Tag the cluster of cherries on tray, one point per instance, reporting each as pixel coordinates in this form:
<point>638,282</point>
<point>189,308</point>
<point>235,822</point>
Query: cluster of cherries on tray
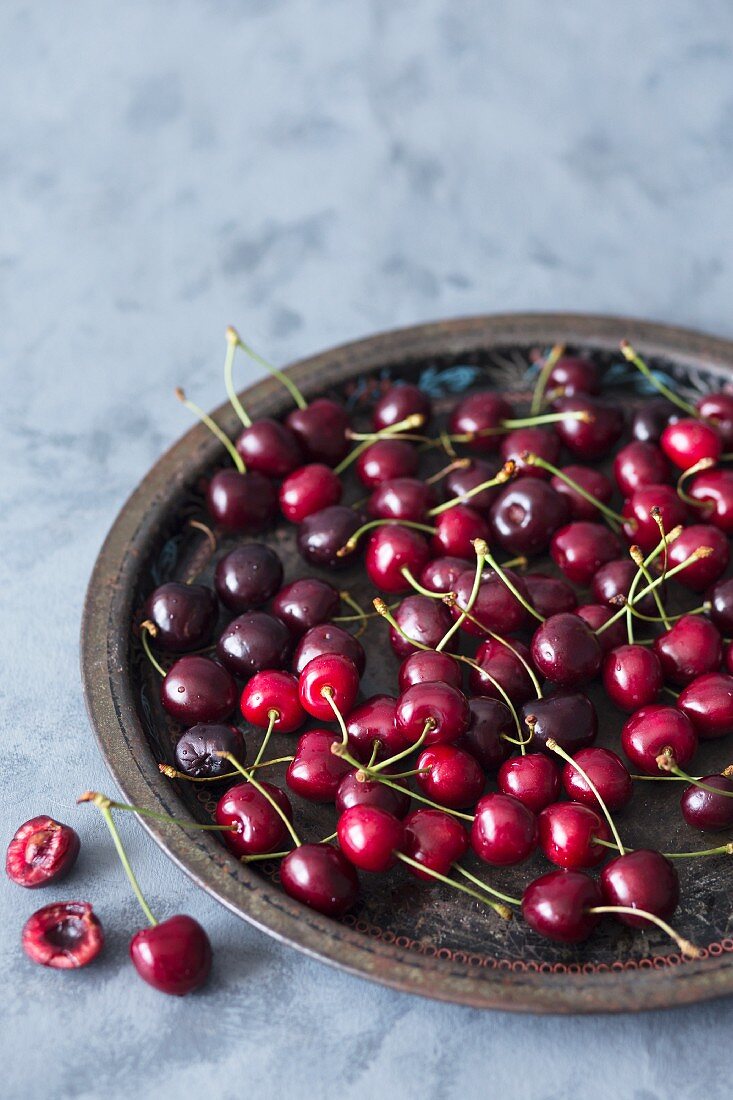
<point>494,659</point>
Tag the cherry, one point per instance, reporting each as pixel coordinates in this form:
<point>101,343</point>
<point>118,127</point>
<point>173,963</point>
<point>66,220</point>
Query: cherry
<point>455,778</point>
<point>549,595</point>
<point>534,779</point>
<point>478,415</point>
<point>593,438</point>
<point>708,811</point>
<point>460,481</point>
<point>496,608</point>
<point>525,514</point>
<point>273,692</point>
<point>374,721</point>
<point>559,906</point>
<point>569,834</point>
<point>504,831</point>
<point>538,441</point>
<point>320,876</point>
<point>391,549</point>
<point>64,935</point>
<point>615,579</point>
<point>690,648</point>
<point>328,638</point>
<point>321,430</point>
<point>632,676</point>
<point>708,703</point>
<point>436,840</point>
<point>704,572</point>
<point>328,677</point>
<point>651,418</point>
<point>248,576</point>
<point>720,599</point>
<point>440,707</point>
<point>315,772</point>
<point>718,408</point>
<point>714,489</point>
<point>184,615</point>
<point>640,527</point>
<point>505,667</point>
<point>425,621</point>
<point>401,498</point>
<point>306,603</point>
<point>574,375</point>
<point>241,501</point>
<point>42,851</point>
<point>252,642</point>
<point>491,721</point>
<point>607,772</point>
<point>457,529</point>
<point>173,956</point>
<point>260,828</point>
<point>654,729</point>
<point>643,879</point>
<point>566,717</point>
<point>566,651</point>
<point>355,791</point>
<point>370,837</point>
<point>597,615</point>
<point>593,481</point>
<point>639,464</point>
<point>309,489</point>
<point>401,400</point>
<point>385,460</point>
<point>270,448</point>
<point>425,665</point>
<point>441,574</point>
<point>322,534</point>
<point>196,689</point>
<point>689,441</point>
<point>581,548</point>
<point>197,749</point>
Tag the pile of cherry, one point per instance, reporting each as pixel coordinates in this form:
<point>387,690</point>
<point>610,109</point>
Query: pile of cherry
<point>490,723</point>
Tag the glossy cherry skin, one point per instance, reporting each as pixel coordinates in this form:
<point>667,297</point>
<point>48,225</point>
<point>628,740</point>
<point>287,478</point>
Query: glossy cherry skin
<point>173,956</point>
<point>615,579</point>
<point>328,638</point>
<point>460,482</point>
<point>580,549</point>
<point>370,837</point>
<point>643,879</point>
<point>550,595</point>
<point>689,441</point>
<point>196,689</point>
<point>389,550</point>
<point>566,651</point>
<point>596,615</point>
<point>259,827</point>
<point>445,705</point>
<point>651,418</point>
<point>503,666</point>
<point>526,514</point>
<point>41,851</point>
<point>632,677</point>
<point>402,498</point>
<point>273,690</point>
<point>241,502</point>
<point>484,738</point>
<point>374,720</point>
<point>690,648</point>
<point>270,448</point>
<point>718,409</point>
<point>557,906</point>
<point>606,771</point>
<point>321,430</point>
<point>329,673</point>
<point>371,792</point>
<point>588,478</point>
<point>534,779</point>
<point>495,608</point>
<point>652,730</point>
<point>704,810</point>
<point>248,576</point>
<point>714,488</point>
<point>315,772</point>
<point>455,778</point>
<point>720,599</point>
<point>321,877</point>
<point>567,717</point>
<point>436,840</point>
<point>64,935</point>
<point>309,489</point>
<point>401,400</point>
<point>252,642</point>
<point>640,527</point>
<point>385,460</point>
<point>595,438</point>
<point>639,464</point>
<point>457,529</point>
<point>306,603</point>
<point>569,833</point>
<point>426,666</point>
<point>574,375</point>
<point>708,703</point>
<point>478,416</point>
<point>196,750</point>
<point>425,621</point>
<point>504,830</point>
<point>441,574</point>
<point>322,534</point>
<point>699,575</point>
<point>539,441</point>
<point>184,615</point>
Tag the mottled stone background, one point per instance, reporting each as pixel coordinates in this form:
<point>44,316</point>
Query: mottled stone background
<point>310,171</point>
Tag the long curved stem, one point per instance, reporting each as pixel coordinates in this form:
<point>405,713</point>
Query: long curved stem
<point>543,377</point>
<point>496,906</point>
<point>553,746</point>
<point>632,357</point>
<point>265,794</point>
<point>148,630</point>
<point>686,947</point>
<point>297,396</point>
<point>214,429</point>
<point>103,805</point>
<point>485,886</point>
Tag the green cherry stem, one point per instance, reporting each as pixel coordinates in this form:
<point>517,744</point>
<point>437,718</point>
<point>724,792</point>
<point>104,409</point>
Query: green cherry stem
<point>411,580</point>
<point>103,805</point>
<point>264,855</point>
<point>327,694</point>
<point>538,396</point>
<point>721,850</point>
<point>149,630</point>
<point>615,519</point>
<point>234,401</point>
<point>638,558</point>
<point>425,801</point>
<point>351,543</point>
<point>265,794</point>
<point>234,338</point>
<point>498,908</point>
<point>506,473</point>
<point>94,796</point>
<point>213,428</point>
<point>632,357</point>
<point>553,746</point>
<point>688,949</point>
<point>485,886</point>
<point>272,717</point>
<point>481,550</point>
<point>701,552</point>
<point>499,570</point>
<point>691,502</point>
<point>667,763</point>
<point>456,464</point>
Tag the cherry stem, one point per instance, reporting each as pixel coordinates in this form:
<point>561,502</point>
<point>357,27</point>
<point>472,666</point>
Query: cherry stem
<point>691,502</point>
<point>103,805</point>
<point>234,401</point>
<point>93,796</point>
<point>615,519</point>
<point>501,910</point>
<point>421,588</point>
<point>373,770</point>
<point>361,614</point>
<point>327,694</point>
<point>688,949</point>
<point>265,794</point>
<point>172,773</point>
<point>721,850</point>
<point>264,855</point>
<point>457,464</point>
<point>214,429</point>
<point>364,615</point>
<point>701,552</point>
<point>667,763</point>
<point>272,716</point>
<point>205,530</point>
<point>234,338</point>
<point>485,886</point>
<point>506,473</point>
<point>632,357</point>
<point>351,543</point>
<point>148,630</point>
<point>481,550</point>
<point>553,746</point>
<point>638,558</point>
<point>527,667</point>
<point>522,422</point>
<point>543,377</point>
<point>498,569</point>
<point>415,420</point>
<point>426,801</point>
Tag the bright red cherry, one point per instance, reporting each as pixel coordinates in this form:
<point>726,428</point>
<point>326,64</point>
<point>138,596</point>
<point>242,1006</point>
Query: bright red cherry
<point>525,515</point>
<point>260,828</point>
<point>654,729</point>
<point>427,666</point>
<point>439,707</point>
<point>196,689</point>
<point>320,876</point>
<point>639,464</point>
<point>558,906</point>
<point>64,935</point>
<point>478,416</point>
<point>308,489</point>
<point>690,648</point>
<point>455,778</point>
<point>173,956</point>
<point>704,572</point>
<point>566,717</point>
<point>270,448</point>
<point>422,619</point>
<point>534,779</point>
<point>241,502</point>
<point>588,478</point>
<point>321,430</point>
<point>355,791</point>
<point>606,771</point>
<point>708,811</point>
<point>329,676</point>
<point>491,723</point>
<point>273,690</point>
<point>456,530</point>
<point>401,400</point>
<point>391,549</point>
<point>315,772</point>
<point>374,720</point>
<point>689,441</point>
<point>632,676</point>
<point>402,498</point>
<point>503,665</point>
<point>385,460</point>
<point>592,438</point>
<point>504,830</point>
<point>306,603</point>
<point>714,488</point>
<point>569,834</point>
<point>643,879</point>
<point>328,638</point>
<point>41,851</point>
<point>436,840</point>
<point>640,527</point>
<point>580,549</point>
<point>370,837</point>
<point>708,703</point>
<point>566,651</point>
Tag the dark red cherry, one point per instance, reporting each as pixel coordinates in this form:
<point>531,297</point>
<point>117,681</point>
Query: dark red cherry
<point>197,749</point>
<point>64,935</point>
<point>402,498</point>
<point>446,706</point>
<point>198,690</point>
<point>370,837</point>
<point>306,603</point>
<point>708,811</point>
<point>643,879</point>
<point>252,642</point>
<point>328,675</point>
<point>441,574</point>
<point>651,731</point>
<point>615,579</point>
<point>499,662</point>
<point>460,482</point>
<point>567,717</point>
<point>248,576</point>
<point>717,408</point>
<point>389,550</point>
<point>478,416</point>
<point>454,779</point>
<point>597,615</point>
<point>708,703</point>
<point>720,599</point>
<point>549,595</point>
<point>374,720</point>
<point>371,792</point>
<point>457,529</point>
<point>241,502</point>
<point>538,441</point>
<point>426,666</point>
<point>704,572</point>
<point>715,489</point>
<point>424,620</point>
<point>689,441</point>
<point>504,831</point>
<point>640,527</point>
<point>321,430</point>
<point>385,460</point>
<point>491,722</point>
<point>436,840</point>
<point>328,638</point>
<point>260,829</point>
<point>320,876</point>
<point>594,438</point>
<point>270,448</point>
<point>273,690</point>
<point>574,375</point>
<point>557,906</point>
<point>184,614</point>
<point>632,676</point>
<point>588,478</point>
<point>322,534</point>
<point>566,651</point>
<point>606,771</point>
<point>580,549</point>
<point>534,779</point>
<point>639,464</point>
<point>690,648</point>
<point>496,608</point>
<point>569,834</point>
<point>315,772</point>
<point>309,489</point>
<point>651,418</point>
<point>174,956</point>
<point>42,851</point>
<point>525,515</point>
<point>401,400</point>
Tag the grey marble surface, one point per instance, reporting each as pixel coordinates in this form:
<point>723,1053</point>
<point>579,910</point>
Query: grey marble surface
<point>310,171</point>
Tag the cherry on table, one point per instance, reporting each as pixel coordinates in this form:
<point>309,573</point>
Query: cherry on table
<point>504,666</point>
<point>322,534</point>
<point>184,615</point>
<point>427,666</point>
<point>456,531</point>
<point>593,481</point>
<point>328,638</point>
<point>259,827</point>
<point>566,651</point>
<point>385,460</point>
<point>643,879</point>
<point>607,772</point>
<point>533,778</point>
<point>321,430</point>
<point>369,837</point>
<point>700,574</point>
<point>559,906</point>
<point>241,501</point>
<point>690,648</point>
<point>504,830</point>
<point>328,676</point>
<point>526,514</point>
<point>593,438</point>
<point>174,956</point>
<point>425,621</point>
<point>270,448</point>
<point>309,489</point>
<point>273,691</point>
<point>708,703</point>
<point>549,595</point>
<point>706,810</point>
<point>640,527</point>
<point>639,464</point>
<point>454,779</point>
<point>401,400</point>
<point>446,707</point>
<point>358,791</point>
<point>389,550</point>
<point>689,441</point>
<point>569,718</point>
<point>580,549</point>
<point>478,416</point>
<point>402,498</point>
<point>632,676</point>
<point>252,642</point>
<point>306,603</point>
<point>714,489</point>
<point>569,834</point>
<point>491,722</point>
<point>41,851</point>
<point>434,839</point>
<point>197,749</point>
<point>654,729</point>
<point>315,772</point>
<point>64,935</point>
<point>196,689</point>
<point>321,877</point>
<point>248,576</point>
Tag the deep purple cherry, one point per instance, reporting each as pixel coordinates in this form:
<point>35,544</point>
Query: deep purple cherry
<point>248,576</point>
<point>184,616</point>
